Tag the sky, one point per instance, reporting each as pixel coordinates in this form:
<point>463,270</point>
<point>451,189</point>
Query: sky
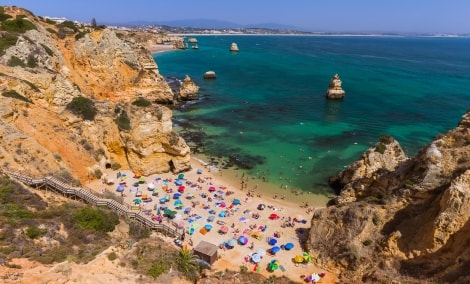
<point>408,16</point>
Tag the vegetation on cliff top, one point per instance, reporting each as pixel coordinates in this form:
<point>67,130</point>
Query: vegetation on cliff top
<point>21,210</point>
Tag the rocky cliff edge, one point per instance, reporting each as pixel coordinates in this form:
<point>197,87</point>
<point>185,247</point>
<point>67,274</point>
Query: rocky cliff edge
<point>398,218</point>
<point>45,65</point>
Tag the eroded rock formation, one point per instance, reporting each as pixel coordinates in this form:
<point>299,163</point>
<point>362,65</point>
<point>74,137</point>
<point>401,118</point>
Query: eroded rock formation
<point>54,64</point>
<point>400,218</point>
<point>234,47</point>
<point>335,91</point>
<point>188,90</point>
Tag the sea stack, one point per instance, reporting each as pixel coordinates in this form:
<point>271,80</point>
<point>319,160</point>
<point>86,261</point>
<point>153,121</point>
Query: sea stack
<point>335,91</point>
<point>209,75</point>
<point>188,90</point>
<point>234,47</point>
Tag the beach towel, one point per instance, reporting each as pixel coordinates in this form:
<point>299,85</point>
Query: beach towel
<point>282,268</point>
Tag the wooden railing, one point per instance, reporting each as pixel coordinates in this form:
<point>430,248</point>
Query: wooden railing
<point>58,185</point>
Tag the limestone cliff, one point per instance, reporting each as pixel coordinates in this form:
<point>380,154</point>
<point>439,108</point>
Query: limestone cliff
<point>399,218</point>
<point>188,90</point>
<point>45,65</point>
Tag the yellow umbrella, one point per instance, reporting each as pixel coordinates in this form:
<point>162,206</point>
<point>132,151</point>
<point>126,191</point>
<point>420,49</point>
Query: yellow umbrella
<point>299,259</point>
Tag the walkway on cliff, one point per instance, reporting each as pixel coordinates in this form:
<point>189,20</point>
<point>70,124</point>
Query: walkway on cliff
<point>57,185</point>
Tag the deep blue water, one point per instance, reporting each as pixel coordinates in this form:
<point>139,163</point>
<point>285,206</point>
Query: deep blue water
<point>267,106</point>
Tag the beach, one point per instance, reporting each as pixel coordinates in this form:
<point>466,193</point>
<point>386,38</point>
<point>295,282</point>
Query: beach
<point>216,208</point>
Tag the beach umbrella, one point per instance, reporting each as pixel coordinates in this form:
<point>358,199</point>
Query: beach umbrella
<point>181,224</point>
<point>223,230</point>
<point>243,219</point>
<point>120,188</point>
<point>176,195</point>
<point>181,188</point>
<point>190,195</point>
<point>166,212</point>
<point>236,201</point>
<point>208,227</point>
<point>231,242</point>
<point>137,201</point>
<point>288,246</point>
<point>273,216</point>
<point>178,182</point>
<point>272,241</point>
<point>256,258</point>
<point>181,176</point>
<point>299,259</point>
<point>275,249</point>
<point>273,265</point>
<point>261,206</point>
<point>243,240</point>
<point>177,202</point>
<point>222,204</point>
<point>261,252</point>
<point>199,171</point>
<point>141,180</point>
<point>222,214</point>
<point>150,185</point>
<point>212,188</point>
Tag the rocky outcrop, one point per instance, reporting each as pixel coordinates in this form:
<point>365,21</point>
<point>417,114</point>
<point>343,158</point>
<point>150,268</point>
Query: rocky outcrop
<point>188,90</point>
<point>400,218</point>
<point>62,63</point>
<point>210,75</point>
<point>234,47</point>
<point>335,91</point>
<point>357,178</point>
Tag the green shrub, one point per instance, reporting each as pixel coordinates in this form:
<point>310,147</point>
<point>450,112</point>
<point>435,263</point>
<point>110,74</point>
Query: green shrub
<point>31,85</point>
<point>15,61</point>
<point>80,35</point>
<point>51,22</point>
<point>115,166</point>
<point>3,16</point>
<point>7,41</point>
<point>68,24</point>
<point>380,147</point>
<point>367,242</point>
<point>52,31</point>
<point>19,25</point>
<point>98,173</point>
<point>13,94</point>
<point>83,107</point>
<point>31,61</point>
<point>112,256</point>
<point>123,121</point>
<point>141,102</point>
<point>34,232</point>
<point>158,268</point>
<point>95,219</point>
<point>386,139</point>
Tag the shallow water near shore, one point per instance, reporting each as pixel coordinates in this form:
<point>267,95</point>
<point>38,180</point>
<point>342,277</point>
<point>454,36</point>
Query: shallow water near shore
<point>267,111</point>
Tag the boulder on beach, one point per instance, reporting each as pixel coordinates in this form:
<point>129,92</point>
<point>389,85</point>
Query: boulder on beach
<point>335,91</point>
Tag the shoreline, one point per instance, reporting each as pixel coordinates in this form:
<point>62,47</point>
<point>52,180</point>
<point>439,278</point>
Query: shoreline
<point>226,188</point>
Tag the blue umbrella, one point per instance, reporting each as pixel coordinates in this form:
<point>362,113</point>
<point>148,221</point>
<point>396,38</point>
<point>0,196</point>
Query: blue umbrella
<point>272,241</point>
<point>176,195</point>
<point>275,249</point>
<point>231,242</point>
<point>208,227</point>
<point>178,182</point>
<point>236,202</point>
<point>288,246</point>
<point>120,188</point>
<point>178,202</point>
<point>243,240</point>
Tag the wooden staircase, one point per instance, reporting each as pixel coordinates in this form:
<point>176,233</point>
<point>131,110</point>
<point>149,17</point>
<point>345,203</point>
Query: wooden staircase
<point>59,186</point>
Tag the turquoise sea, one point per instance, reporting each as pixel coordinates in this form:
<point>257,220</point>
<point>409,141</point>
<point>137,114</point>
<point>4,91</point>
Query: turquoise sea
<point>267,109</point>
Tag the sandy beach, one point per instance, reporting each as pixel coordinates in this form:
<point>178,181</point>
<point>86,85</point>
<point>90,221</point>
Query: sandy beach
<point>219,206</point>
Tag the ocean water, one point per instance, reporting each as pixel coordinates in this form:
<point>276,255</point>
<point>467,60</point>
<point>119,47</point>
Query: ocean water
<point>267,108</point>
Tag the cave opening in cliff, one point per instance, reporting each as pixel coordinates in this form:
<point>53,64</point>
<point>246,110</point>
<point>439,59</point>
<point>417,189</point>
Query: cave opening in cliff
<point>108,165</point>
<point>172,166</point>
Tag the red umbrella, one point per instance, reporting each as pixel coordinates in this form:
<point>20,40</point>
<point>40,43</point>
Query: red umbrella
<point>273,216</point>
<point>223,229</point>
<point>181,188</point>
